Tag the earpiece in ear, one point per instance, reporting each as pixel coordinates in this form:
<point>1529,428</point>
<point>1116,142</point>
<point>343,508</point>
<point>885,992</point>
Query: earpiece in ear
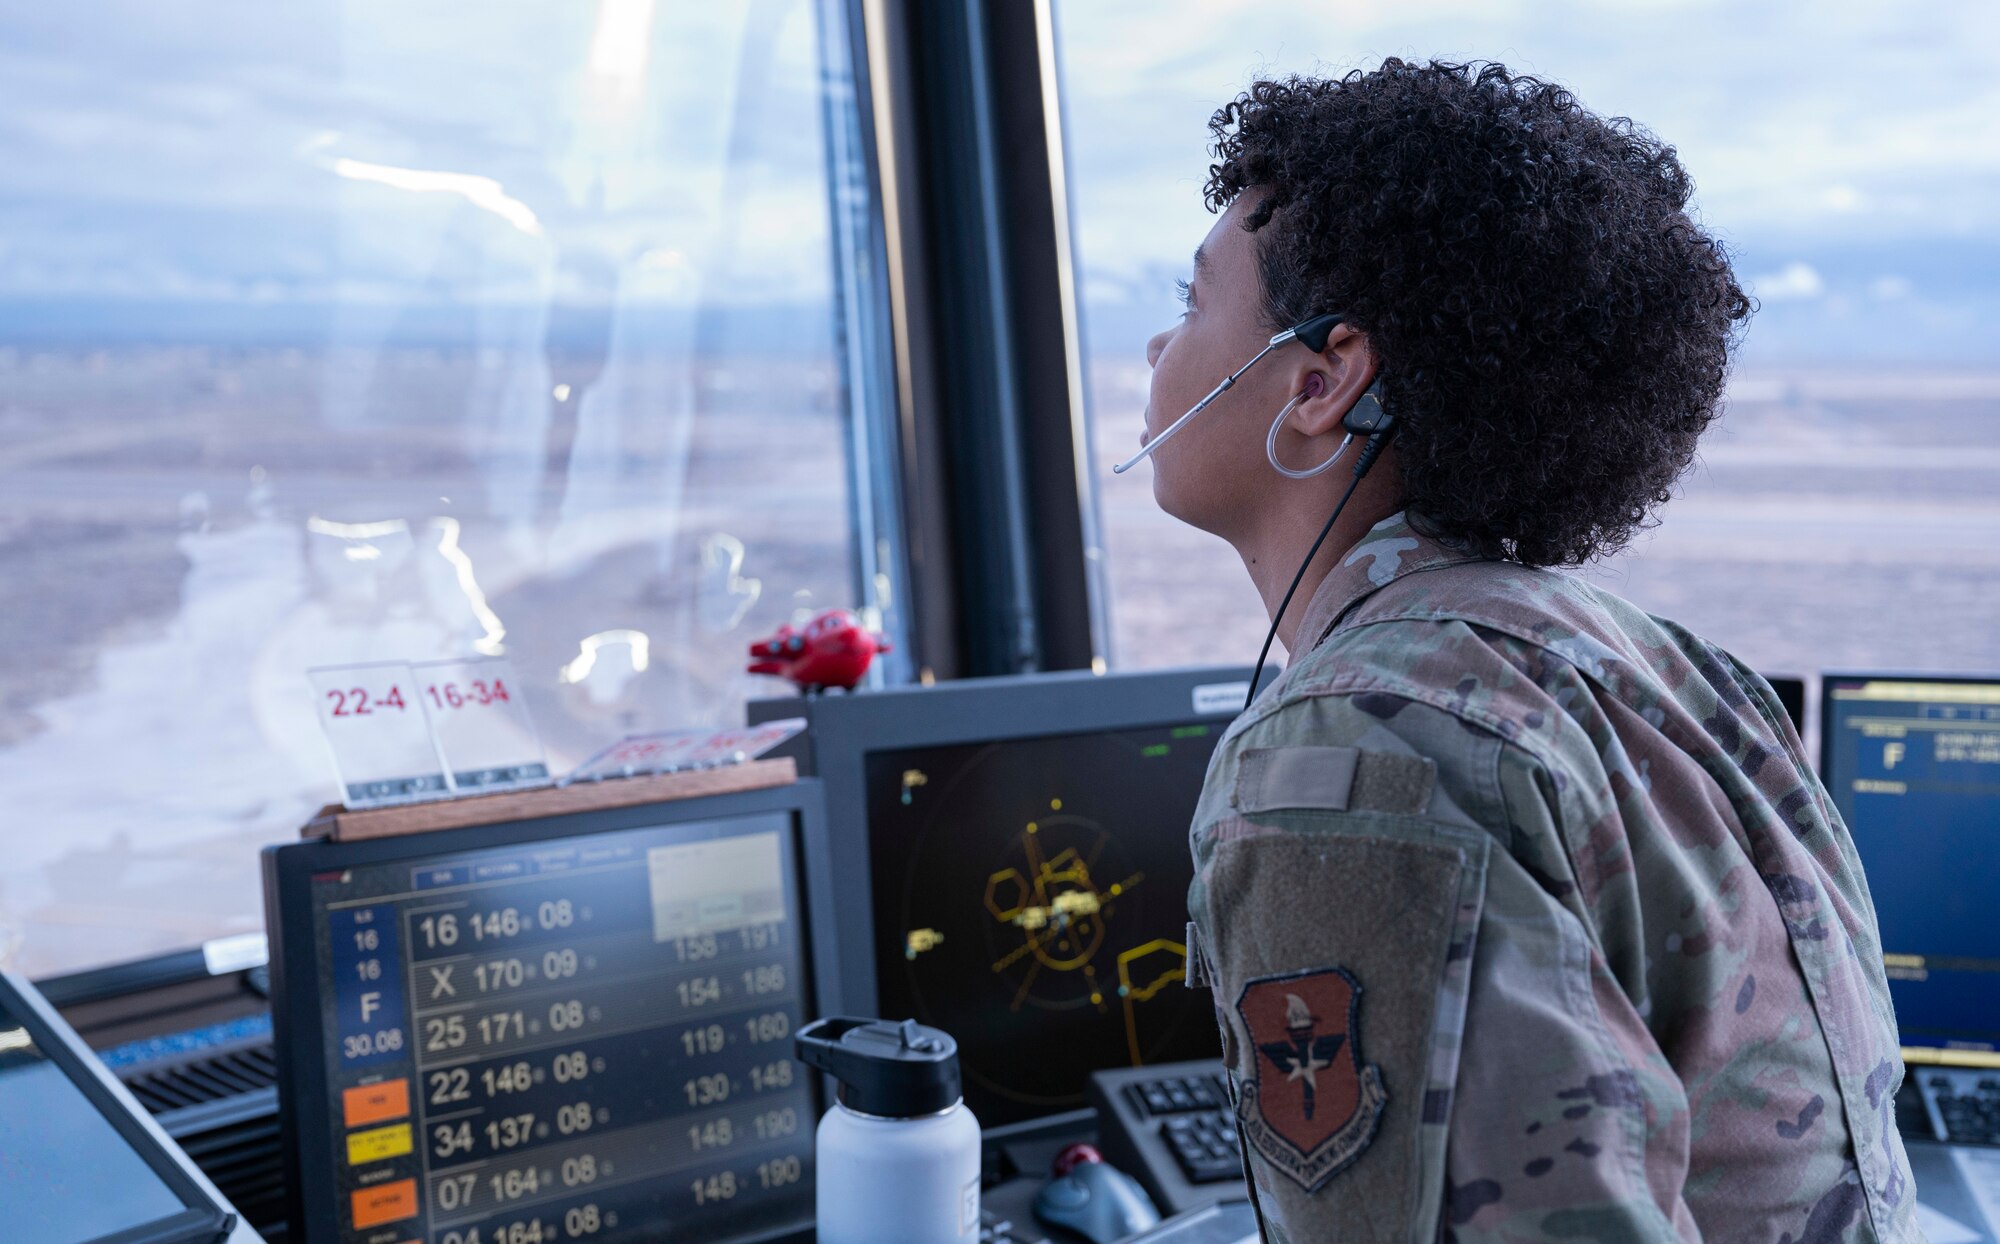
<point>1368,416</point>
<point>1314,385</point>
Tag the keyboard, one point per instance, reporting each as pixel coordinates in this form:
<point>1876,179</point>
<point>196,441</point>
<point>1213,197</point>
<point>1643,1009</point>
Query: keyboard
<point>1178,1094</point>
<point>1203,1141</point>
<point>1963,1103</point>
<point>1197,1123</point>
<point>1172,1128</point>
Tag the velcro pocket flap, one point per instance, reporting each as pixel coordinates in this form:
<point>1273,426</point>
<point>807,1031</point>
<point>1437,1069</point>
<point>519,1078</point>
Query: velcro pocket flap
<point>1273,779</point>
<point>1341,951</point>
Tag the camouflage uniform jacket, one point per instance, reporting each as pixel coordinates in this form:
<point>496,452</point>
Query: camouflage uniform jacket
<point>1526,919</point>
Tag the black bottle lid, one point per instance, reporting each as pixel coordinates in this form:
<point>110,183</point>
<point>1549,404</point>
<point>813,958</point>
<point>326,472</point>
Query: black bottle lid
<point>889,1069</point>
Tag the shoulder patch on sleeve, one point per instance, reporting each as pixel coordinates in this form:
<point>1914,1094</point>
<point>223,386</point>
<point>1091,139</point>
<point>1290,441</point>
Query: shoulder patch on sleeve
<point>1309,1106</point>
<point>1269,779</point>
<point>1340,951</point>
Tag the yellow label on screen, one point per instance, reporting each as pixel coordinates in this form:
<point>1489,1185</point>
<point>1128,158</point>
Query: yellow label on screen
<point>377,1144</point>
<point>1950,1058</point>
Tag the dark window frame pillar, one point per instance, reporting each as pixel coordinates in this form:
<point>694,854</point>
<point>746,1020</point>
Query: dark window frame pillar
<point>1000,510</point>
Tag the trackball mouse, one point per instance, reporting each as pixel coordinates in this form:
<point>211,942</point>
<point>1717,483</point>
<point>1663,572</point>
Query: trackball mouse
<point>1096,1200</point>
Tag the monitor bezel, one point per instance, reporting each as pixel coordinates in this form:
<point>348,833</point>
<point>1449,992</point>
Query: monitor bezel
<point>205,1212</point>
<point>846,729</point>
<point>1804,685</point>
<point>298,1033</point>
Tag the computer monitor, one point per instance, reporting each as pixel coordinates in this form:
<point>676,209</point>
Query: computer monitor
<point>1012,858</point>
<point>79,1158</point>
<point>1792,695</point>
<point>1913,764</point>
<point>570,1028</point>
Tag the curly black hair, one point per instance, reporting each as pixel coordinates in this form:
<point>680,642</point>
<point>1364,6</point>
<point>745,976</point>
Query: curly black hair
<point>1553,327</point>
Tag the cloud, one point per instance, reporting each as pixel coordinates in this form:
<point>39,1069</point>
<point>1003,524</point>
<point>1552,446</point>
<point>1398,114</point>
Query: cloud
<point>1809,119</point>
<point>160,154</point>
<point>1795,280</point>
<point>1891,288</point>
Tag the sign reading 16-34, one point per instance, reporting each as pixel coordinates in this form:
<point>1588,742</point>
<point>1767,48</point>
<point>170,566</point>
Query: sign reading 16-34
<point>402,733</point>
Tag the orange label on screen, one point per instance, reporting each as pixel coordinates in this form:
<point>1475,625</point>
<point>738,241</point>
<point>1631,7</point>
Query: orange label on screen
<point>376,1103</point>
<point>388,1203</point>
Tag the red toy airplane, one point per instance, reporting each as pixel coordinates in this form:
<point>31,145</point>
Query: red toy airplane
<point>832,650</point>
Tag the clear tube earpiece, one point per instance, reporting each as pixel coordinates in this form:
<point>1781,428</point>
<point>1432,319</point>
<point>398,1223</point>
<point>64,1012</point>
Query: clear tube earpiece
<point>1271,444</point>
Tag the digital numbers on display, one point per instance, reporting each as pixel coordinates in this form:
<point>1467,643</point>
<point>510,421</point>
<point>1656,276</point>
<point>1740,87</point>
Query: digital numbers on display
<point>583,1042</point>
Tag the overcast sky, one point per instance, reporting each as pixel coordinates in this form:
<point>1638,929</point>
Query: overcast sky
<point>384,150</point>
<point>1848,151</point>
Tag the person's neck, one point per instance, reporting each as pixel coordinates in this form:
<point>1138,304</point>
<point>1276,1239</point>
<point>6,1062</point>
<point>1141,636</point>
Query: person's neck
<point>1272,553</point>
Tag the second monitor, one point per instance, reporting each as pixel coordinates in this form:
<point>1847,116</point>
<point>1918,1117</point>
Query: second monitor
<point>1913,765</point>
<point>1013,862</point>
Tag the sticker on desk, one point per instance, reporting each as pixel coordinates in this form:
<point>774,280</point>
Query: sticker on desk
<point>638,754</point>
<point>482,725</point>
<point>728,747</point>
<point>237,953</point>
<point>381,740</point>
<point>671,751</point>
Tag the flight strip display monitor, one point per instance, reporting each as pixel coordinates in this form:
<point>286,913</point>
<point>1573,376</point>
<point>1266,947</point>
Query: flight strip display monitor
<point>578,1038</point>
<point>1913,764</point>
<point>1031,900</point>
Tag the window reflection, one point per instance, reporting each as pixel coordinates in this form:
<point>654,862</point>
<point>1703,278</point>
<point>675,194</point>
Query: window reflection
<point>1844,512</point>
<point>354,331</point>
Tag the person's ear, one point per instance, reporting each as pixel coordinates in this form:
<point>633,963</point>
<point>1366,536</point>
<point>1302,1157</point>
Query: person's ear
<point>1332,382</point>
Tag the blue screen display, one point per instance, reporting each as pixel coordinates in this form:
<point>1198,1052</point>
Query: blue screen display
<point>583,1038</point>
<point>65,1172</point>
<point>1914,769</point>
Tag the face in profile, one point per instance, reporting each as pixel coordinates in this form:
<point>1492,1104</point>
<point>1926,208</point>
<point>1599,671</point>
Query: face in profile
<point>1208,473</point>
<point>1216,473</point>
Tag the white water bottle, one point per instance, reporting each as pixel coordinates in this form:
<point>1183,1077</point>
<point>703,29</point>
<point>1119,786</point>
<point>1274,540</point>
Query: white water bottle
<point>898,1155</point>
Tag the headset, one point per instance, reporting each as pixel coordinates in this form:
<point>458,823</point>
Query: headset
<point>1379,427</point>
<point>1371,421</point>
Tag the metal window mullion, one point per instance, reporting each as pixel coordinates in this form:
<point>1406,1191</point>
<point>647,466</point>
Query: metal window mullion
<point>1083,446</point>
<point>1018,551</point>
<point>875,402</point>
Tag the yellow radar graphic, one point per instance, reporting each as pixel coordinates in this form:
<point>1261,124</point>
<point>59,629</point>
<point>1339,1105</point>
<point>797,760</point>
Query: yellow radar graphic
<point>1053,914</point>
<point>1029,897</point>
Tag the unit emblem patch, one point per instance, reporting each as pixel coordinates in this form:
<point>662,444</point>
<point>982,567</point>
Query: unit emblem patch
<point>1309,1106</point>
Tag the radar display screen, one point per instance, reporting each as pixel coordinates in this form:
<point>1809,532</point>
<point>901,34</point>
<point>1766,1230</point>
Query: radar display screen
<point>579,1038</point>
<point>1031,900</point>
